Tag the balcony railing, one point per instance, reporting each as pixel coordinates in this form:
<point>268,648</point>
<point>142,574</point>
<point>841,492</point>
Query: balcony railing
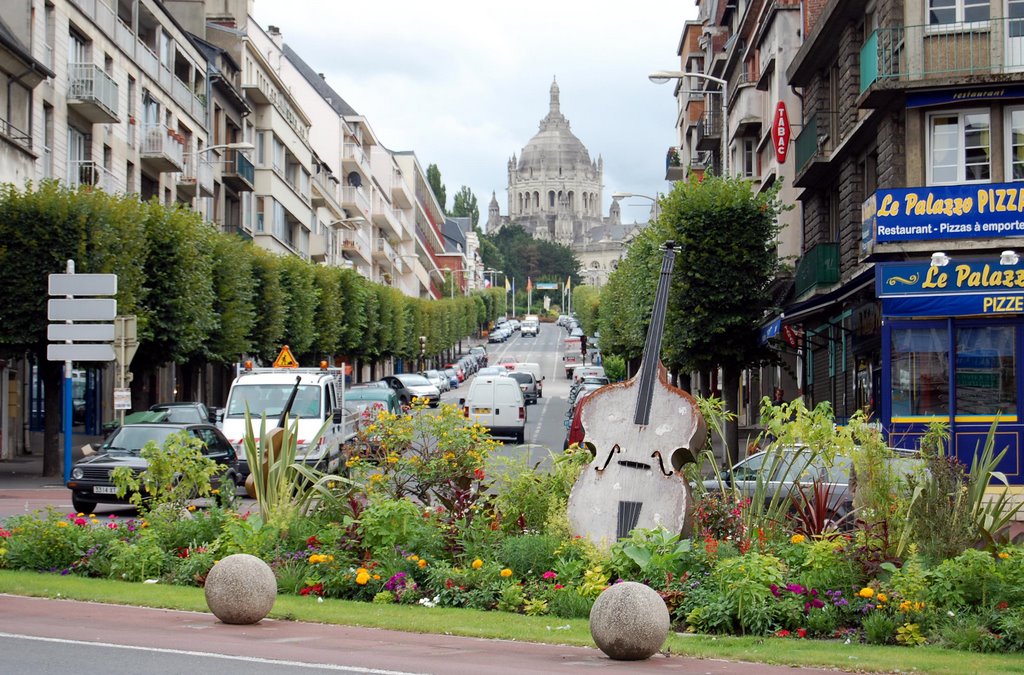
<point>93,92</point>
<point>196,178</point>
<point>353,196</point>
<point>162,147</point>
<point>90,173</point>
<point>354,152</point>
<point>384,249</point>
<point>817,268</point>
<point>709,130</point>
<point>15,135</point>
<point>674,169</point>
<point>954,49</point>
<point>819,137</point>
<point>357,242</point>
<point>239,173</point>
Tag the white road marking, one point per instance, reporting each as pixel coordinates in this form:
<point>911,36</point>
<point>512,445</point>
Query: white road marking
<point>186,652</point>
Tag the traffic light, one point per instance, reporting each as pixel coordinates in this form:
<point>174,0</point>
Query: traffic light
<point>583,345</point>
<point>423,345</point>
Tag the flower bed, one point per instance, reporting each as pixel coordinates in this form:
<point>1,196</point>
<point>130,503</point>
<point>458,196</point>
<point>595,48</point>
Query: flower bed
<point>427,517</point>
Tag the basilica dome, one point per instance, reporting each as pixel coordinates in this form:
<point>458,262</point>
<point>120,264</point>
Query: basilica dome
<point>554,145</point>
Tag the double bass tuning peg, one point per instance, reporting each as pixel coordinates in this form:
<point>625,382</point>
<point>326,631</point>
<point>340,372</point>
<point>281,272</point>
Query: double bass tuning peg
<point>669,245</point>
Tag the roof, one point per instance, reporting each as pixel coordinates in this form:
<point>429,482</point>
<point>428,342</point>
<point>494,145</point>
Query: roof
<point>11,42</point>
<point>554,144</point>
<point>318,83</point>
<point>453,234</point>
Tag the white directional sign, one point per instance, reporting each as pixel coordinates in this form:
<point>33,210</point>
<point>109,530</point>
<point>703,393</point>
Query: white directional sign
<point>83,284</point>
<point>81,309</point>
<point>97,351</point>
<point>83,332</point>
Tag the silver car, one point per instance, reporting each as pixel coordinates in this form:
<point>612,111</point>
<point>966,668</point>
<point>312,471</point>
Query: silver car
<point>527,385</point>
<point>438,379</point>
<point>413,385</point>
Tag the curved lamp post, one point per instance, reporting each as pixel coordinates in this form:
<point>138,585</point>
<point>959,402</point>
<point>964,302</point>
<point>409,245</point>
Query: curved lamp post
<point>626,195</point>
<point>663,76</point>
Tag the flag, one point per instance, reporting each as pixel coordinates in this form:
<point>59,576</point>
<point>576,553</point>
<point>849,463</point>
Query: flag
<point>529,284</point>
<point>487,283</point>
<point>508,287</point>
<point>568,282</point>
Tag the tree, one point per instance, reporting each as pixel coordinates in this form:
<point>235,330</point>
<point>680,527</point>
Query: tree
<point>523,256</point>
<point>434,180</point>
<point>234,289</point>
<point>302,300</point>
<point>465,204</point>
<point>719,295</point>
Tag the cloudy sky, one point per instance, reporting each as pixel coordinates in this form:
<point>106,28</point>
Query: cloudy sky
<point>465,84</point>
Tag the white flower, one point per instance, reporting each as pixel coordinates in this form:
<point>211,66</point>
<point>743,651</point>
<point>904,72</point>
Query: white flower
<point>950,613</point>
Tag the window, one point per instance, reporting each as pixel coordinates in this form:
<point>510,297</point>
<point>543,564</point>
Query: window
<point>920,371</point>
<point>47,141</point>
<point>957,11</point>
<point>959,147</point>
<point>749,158</point>
<point>985,372</point>
<point>261,149</point>
<point>1015,139</point>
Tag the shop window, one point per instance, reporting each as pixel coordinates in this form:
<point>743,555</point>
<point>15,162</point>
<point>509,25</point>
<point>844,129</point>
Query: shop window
<point>959,147</point>
<point>957,11</point>
<point>920,371</point>
<point>986,382</point>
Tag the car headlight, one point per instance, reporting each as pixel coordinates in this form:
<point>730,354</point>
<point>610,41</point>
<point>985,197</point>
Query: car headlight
<point>77,473</point>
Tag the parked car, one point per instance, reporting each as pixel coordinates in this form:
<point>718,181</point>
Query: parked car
<point>481,354</point>
<point>509,362</point>
<point>90,482</point>
<point>439,379</point>
<point>453,376</point>
<point>374,384</point>
<point>527,384</point>
<point>575,433</point>
<point>181,412</point>
<point>412,385</point>
<point>459,372</point>
<point>373,399</point>
<point>786,470</point>
<point>491,370</point>
<point>587,371</point>
<point>534,368</point>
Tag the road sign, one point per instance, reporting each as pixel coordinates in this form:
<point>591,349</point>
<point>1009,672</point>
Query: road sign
<point>83,284</point>
<point>81,309</point>
<point>85,332</point>
<point>122,399</point>
<point>85,351</point>
<point>285,359</point>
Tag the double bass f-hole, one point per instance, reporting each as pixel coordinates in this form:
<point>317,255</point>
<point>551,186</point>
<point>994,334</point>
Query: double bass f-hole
<point>661,463</point>
<point>608,460</point>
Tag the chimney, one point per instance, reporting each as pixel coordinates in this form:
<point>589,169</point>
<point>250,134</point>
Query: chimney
<point>322,76</point>
<point>275,34</point>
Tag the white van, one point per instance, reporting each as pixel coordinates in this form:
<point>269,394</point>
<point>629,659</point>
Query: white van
<point>319,399</point>
<point>496,402</point>
<point>533,368</point>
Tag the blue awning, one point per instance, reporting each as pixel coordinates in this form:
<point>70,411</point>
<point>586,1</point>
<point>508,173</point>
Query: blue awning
<point>771,329</point>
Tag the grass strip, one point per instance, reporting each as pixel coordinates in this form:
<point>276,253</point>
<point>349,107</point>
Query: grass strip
<point>506,626</point>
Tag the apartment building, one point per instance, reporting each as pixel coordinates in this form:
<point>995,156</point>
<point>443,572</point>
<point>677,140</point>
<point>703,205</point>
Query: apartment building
<point>729,107</point>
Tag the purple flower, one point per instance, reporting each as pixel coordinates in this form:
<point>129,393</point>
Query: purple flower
<point>775,590</point>
<point>817,604</point>
<point>841,602</point>
<point>396,582</point>
<point>795,588</point>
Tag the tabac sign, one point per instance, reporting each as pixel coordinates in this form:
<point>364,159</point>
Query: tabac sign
<point>961,288</point>
<point>947,212</point>
<point>781,132</point>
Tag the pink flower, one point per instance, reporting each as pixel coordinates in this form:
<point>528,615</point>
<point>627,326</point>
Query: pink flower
<point>81,522</point>
<point>549,575</point>
<point>112,526</point>
<point>559,587</point>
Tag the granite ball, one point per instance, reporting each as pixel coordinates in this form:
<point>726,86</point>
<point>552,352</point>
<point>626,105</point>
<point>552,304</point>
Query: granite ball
<point>629,621</point>
<point>241,589</point>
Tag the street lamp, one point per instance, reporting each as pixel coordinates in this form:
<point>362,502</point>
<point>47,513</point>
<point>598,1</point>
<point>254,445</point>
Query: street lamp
<point>663,76</point>
<point>626,195</point>
<point>243,146</point>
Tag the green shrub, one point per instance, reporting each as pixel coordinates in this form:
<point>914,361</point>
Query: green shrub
<point>568,604</point>
<point>825,566</point>
<point>964,581</point>
<point>746,583</point>
<point>175,473</point>
<point>511,598</point>
<point>648,555</point>
<point>822,622</point>
<point>139,561</point>
<point>529,554</point>
<point>879,628</point>
<point>968,632</point>
<point>191,567</point>
<point>614,367</point>
<point>940,517</point>
<point>1010,624</point>
<point>388,524</point>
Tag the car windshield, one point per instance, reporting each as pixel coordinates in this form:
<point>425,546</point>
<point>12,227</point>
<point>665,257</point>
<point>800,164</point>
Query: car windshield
<point>522,378</point>
<point>180,414</point>
<point>270,399</point>
<point>411,380</point>
<point>131,438</point>
<point>431,374</point>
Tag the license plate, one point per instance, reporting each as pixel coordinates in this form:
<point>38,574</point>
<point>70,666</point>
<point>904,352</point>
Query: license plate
<point>105,490</point>
<point>482,411</point>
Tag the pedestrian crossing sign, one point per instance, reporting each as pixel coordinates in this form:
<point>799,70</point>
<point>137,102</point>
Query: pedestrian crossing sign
<point>285,359</point>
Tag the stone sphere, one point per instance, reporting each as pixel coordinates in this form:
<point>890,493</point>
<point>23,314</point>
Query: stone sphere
<point>241,589</point>
<point>629,621</point>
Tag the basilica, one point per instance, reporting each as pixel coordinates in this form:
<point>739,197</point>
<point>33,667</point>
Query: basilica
<point>555,194</point>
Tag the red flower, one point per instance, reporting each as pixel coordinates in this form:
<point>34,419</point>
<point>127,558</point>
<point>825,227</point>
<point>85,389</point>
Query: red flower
<point>478,474</point>
<point>558,587</point>
<point>313,542</point>
<point>1003,605</point>
<point>315,589</point>
<point>783,633</point>
<point>801,632</point>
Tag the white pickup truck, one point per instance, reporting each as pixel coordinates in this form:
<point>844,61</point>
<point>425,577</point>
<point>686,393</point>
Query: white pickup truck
<point>319,399</point>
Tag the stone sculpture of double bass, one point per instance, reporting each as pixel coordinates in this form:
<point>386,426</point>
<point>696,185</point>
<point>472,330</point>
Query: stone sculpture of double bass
<point>641,432</point>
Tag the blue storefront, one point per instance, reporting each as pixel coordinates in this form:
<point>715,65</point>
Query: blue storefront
<point>953,323</point>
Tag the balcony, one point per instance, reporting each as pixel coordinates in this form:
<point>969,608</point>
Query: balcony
<point>894,57</point>
<point>353,197</point>
<point>15,135</point>
<point>383,250</point>
<point>325,192</point>
<point>353,153</point>
<point>85,172</point>
<point>355,243</point>
<point>818,268</point>
<point>674,169</point>
<point>814,144</point>
<point>195,179</point>
<point>239,174</point>
<point>92,93</point>
<point>709,131</point>
<point>163,149</point>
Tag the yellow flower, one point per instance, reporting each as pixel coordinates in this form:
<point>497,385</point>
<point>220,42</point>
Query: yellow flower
<point>906,606</point>
<point>191,507</point>
<point>94,521</point>
<point>376,577</point>
<point>362,578</point>
<point>329,558</point>
<point>145,524</point>
<point>1004,555</point>
<point>867,593</point>
<point>92,515</point>
<point>422,563</point>
<point>62,524</point>
<point>80,514</point>
<point>413,558</point>
<point>214,491</point>
<point>506,572</point>
<point>477,564</point>
<point>883,598</point>
<point>797,539</point>
<point>314,559</point>
<point>362,570</point>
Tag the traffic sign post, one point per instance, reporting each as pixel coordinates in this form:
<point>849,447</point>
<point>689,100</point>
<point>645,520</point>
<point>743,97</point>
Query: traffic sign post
<point>89,341</point>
